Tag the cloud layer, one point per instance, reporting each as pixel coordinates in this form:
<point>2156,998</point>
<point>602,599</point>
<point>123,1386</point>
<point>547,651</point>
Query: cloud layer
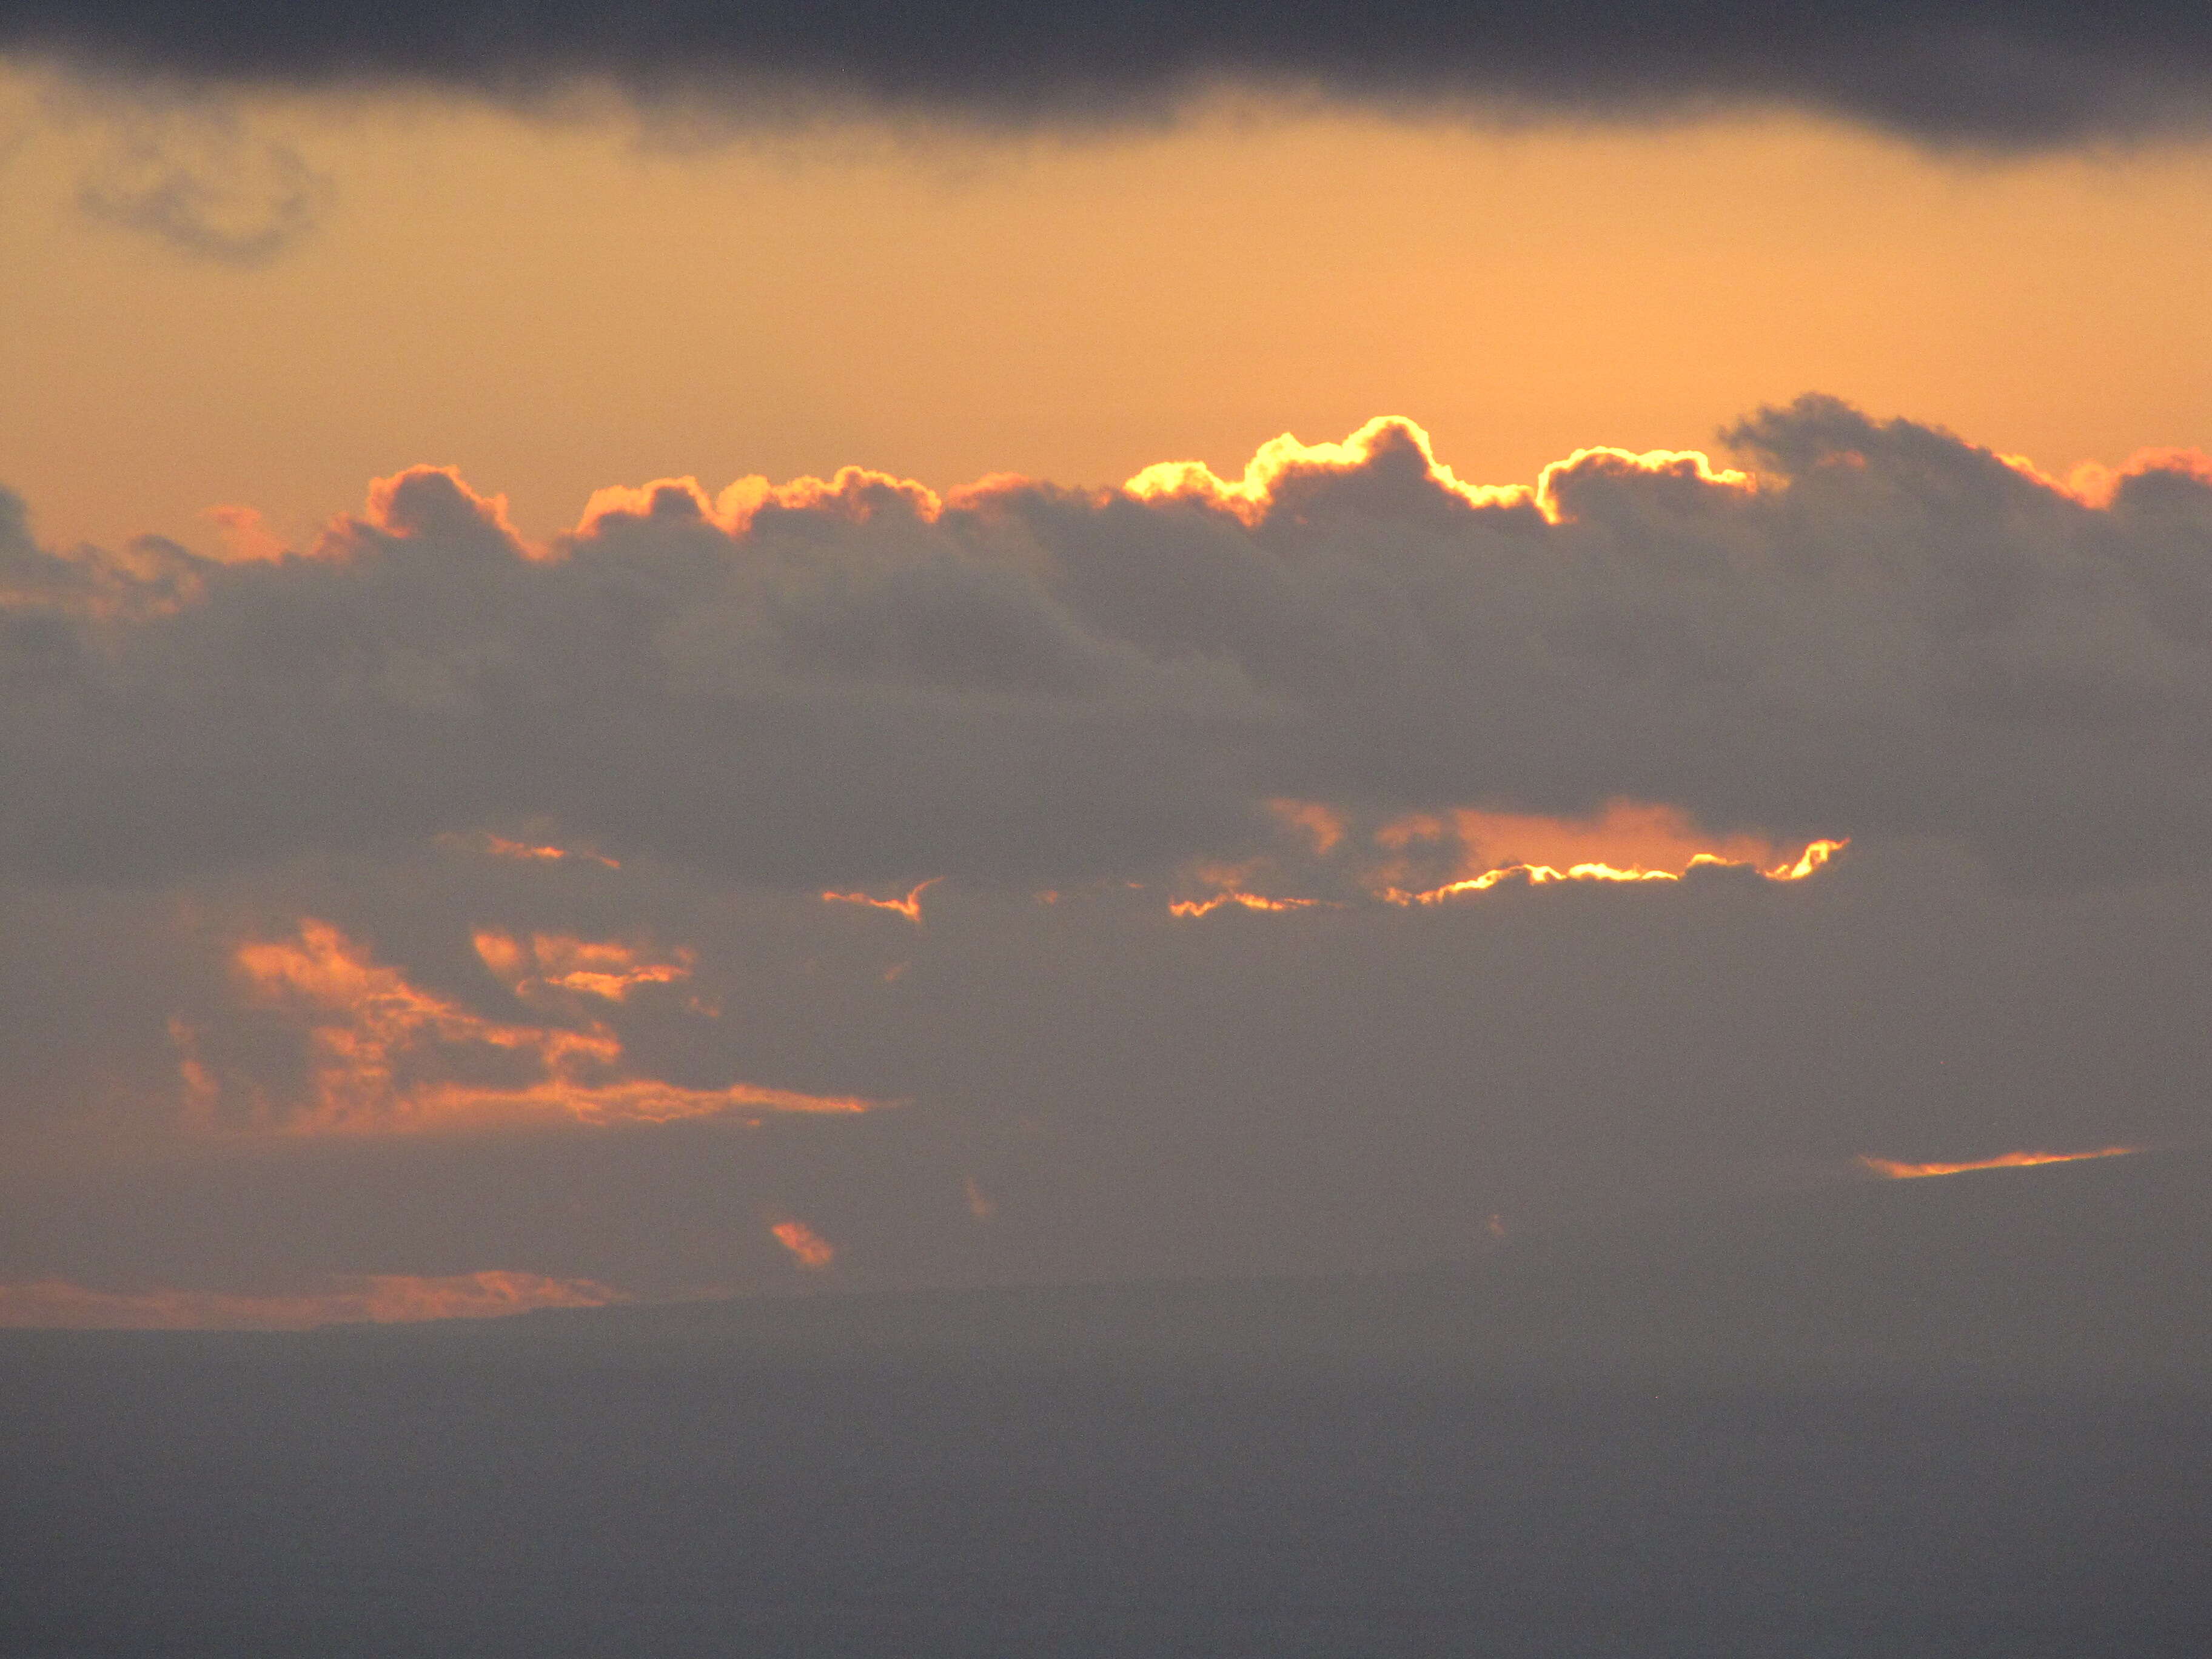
<point>1877,630</point>
<point>1970,71</point>
<point>434,897</point>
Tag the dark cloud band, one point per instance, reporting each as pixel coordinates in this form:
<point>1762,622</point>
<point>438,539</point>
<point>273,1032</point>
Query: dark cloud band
<point>1977,72</point>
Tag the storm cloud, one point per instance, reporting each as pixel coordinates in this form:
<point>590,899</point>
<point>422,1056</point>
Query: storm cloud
<point>1971,72</point>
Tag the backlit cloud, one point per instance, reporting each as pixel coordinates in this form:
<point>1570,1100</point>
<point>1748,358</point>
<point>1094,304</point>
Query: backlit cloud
<point>909,906</point>
<point>500,847</point>
<point>808,1249</point>
<point>556,963</point>
<point>1426,858</point>
<point>1897,1170</point>
<point>1863,630</point>
<point>385,1055</point>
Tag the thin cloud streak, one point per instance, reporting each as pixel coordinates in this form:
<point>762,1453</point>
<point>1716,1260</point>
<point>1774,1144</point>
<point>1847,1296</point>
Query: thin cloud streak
<point>378,1299</point>
<point>909,906</point>
<point>1897,1170</point>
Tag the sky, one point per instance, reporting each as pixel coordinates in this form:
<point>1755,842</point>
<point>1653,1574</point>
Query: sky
<point>700,653</point>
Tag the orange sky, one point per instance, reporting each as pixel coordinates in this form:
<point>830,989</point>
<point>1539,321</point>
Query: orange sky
<point>545,918</point>
<point>554,308</point>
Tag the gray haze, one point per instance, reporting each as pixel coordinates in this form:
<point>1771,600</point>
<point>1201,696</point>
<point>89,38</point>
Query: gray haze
<point>1840,1428</point>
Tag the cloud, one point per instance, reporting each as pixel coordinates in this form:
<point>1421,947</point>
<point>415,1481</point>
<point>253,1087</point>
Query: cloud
<point>385,1055</point>
<point>1137,1093</point>
<point>239,206</point>
<point>909,906</point>
<point>561,967</point>
<point>194,171</point>
<point>1870,629</point>
<point>1896,1170</point>
<point>1973,71</point>
<point>380,1298</point>
<point>808,1249</point>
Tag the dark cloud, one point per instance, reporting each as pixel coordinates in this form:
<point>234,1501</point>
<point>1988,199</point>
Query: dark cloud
<point>233,200</point>
<point>1895,633</point>
<point>1974,72</point>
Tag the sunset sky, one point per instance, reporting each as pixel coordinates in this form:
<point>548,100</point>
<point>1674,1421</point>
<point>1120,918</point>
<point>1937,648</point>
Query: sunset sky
<point>653,658</point>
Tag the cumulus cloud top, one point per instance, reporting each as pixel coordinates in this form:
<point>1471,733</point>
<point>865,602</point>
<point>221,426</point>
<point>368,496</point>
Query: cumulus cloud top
<point>1974,72</point>
<point>1875,627</point>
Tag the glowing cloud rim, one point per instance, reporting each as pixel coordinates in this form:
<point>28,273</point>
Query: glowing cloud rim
<point>1892,1170</point>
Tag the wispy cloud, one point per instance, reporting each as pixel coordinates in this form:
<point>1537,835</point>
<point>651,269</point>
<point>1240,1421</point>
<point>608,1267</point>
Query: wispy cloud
<point>1897,1170</point>
<point>808,1249</point>
<point>385,1056</point>
<point>192,171</point>
<point>378,1299</point>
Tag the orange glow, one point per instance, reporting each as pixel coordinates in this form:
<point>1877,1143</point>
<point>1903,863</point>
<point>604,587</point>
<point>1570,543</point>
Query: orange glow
<point>809,1249</point>
<point>202,1090</point>
<point>1189,908</point>
<point>1897,1172</point>
<point>245,538</point>
<point>1283,460</point>
<point>2094,485</point>
<point>1627,842</point>
<point>1815,857</point>
<point>1320,825</point>
<point>387,1056</point>
<point>419,500</point>
<point>980,1205</point>
<point>1228,881</point>
<point>1514,343</point>
<point>1540,875</point>
<point>1625,834</point>
<point>602,967</point>
<point>382,1299</point>
<point>858,494</point>
<point>1692,466</point>
<point>500,847</point>
<point>1536,875</point>
<point>1401,833</point>
<point>909,906</point>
